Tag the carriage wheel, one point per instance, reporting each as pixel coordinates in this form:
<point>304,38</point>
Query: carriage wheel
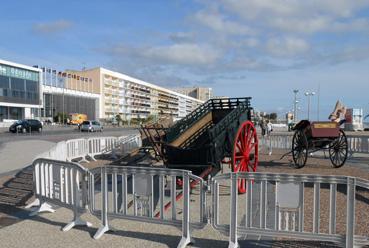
<point>299,149</point>
<point>338,150</point>
<point>245,152</point>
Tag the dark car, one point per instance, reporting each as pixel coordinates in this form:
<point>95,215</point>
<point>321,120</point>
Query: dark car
<point>24,126</point>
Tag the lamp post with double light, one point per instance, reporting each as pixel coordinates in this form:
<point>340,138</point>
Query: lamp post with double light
<point>309,95</point>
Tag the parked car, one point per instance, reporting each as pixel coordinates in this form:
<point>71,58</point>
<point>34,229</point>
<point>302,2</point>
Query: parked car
<point>24,126</point>
<point>366,123</point>
<point>91,126</point>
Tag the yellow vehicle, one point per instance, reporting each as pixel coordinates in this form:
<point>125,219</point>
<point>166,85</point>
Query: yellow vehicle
<point>77,119</point>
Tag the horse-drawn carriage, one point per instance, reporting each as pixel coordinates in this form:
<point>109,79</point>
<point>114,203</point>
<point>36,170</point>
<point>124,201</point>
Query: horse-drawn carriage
<point>310,137</point>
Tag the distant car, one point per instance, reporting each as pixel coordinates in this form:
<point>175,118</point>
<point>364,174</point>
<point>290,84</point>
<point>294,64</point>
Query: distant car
<point>366,123</point>
<point>91,126</point>
<point>24,126</point>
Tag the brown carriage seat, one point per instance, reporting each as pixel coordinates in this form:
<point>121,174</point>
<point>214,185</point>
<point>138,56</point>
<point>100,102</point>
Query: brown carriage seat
<point>321,129</point>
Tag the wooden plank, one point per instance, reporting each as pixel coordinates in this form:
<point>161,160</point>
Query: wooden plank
<point>192,130</point>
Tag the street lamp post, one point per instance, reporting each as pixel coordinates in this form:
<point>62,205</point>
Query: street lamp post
<point>295,105</point>
<point>309,94</point>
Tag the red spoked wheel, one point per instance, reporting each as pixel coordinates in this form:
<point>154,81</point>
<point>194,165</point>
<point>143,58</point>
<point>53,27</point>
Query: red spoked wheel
<point>245,152</point>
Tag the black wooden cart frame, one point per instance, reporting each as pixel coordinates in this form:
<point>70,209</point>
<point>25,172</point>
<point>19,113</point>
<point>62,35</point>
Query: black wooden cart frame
<point>218,130</point>
<point>310,137</point>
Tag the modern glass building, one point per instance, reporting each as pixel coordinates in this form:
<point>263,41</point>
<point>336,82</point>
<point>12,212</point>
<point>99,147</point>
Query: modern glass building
<point>20,91</point>
<point>67,93</point>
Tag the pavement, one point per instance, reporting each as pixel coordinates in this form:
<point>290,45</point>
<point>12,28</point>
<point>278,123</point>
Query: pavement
<point>16,155</point>
<point>18,150</point>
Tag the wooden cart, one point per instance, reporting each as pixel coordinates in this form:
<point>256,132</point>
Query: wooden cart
<point>310,137</point>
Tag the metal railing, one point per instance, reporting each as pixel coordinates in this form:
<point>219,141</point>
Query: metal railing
<point>139,194</point>
<point>82,148</point>
<point>63,184</point>
<point>101,145</point>
<point>77,148</point>
<point>130,142</point>
<point>312,207</point>
<point>283,198</point>
<point>356,144</point>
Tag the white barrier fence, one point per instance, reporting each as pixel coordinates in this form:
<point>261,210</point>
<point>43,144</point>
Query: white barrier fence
<point>275,205</point>
<point>136,193</point>
<point>130,142</point>
<point>63,184</point>
<point>281,198</point>
<point>81,148</point>
<point>356,144</point>
<point>139,194</point>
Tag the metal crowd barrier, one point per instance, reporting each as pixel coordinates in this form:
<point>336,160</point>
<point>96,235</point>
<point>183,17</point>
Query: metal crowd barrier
<point>356,144</point>
<point>101,145</point>
<point>91,147</point>
<point>63,184</point>
<point>275,205</point>
<point>288,206</point>
<point>77,148</point>
<point>129,143</point>
<point>139,194</point>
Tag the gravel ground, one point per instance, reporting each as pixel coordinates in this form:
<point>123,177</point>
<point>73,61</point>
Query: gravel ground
<point>323,167</point>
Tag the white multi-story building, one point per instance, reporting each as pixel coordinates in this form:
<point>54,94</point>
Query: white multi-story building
<point>133,98</point>
<point>43,93</point>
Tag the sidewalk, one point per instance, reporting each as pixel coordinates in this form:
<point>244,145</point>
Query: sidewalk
<point>16,155</point>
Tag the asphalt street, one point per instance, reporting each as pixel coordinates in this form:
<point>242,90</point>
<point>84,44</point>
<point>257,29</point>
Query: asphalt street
<point>56,134</point>
<point>18,150</point>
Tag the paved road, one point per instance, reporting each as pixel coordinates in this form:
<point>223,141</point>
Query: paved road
<point>18,150</point>
<point>56,134</point>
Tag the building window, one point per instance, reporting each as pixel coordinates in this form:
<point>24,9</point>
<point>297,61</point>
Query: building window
<point>3,113</point>
<point>4,82</point>
<point>15,113</point>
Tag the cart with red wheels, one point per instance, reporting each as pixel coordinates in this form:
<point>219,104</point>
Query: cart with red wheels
<point>218,129</point>
<point>311,137</point>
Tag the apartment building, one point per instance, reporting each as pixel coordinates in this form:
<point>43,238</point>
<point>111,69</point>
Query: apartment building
<point>201,93</point>
<point>133,98</point>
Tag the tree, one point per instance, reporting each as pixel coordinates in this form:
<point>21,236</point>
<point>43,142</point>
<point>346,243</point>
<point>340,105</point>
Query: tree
<point>118,118</point>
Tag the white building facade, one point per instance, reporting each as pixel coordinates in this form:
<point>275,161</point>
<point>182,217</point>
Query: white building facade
<point>133,98</point>
<point>20,91</point>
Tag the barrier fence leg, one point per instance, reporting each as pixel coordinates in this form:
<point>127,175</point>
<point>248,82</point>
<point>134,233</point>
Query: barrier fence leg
<point>270,145</point>
<point>233,242</point>
<point>44,207</point>
<point>35,203</point>
<point>186,237</point>
<point>350,215</point>
<point>104,212</point>
<point>77,221</point>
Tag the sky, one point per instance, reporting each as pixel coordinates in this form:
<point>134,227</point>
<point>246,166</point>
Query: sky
<point>259,48</point>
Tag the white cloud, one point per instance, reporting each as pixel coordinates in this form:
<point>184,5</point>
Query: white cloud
<point>186,53</point>
<point>301,16</point>
<point>217,22</point>
<point>52,27</point>
<point>182,37</point>
<point>287,47</point>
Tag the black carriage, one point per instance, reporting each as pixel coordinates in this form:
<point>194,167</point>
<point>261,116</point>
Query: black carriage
<point>310,137</point>
<point>218,130</point>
